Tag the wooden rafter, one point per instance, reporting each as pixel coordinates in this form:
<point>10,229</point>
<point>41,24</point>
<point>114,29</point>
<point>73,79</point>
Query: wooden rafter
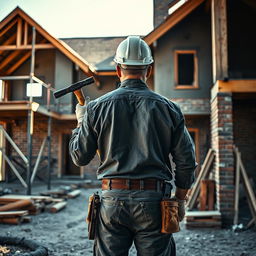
<point>8,59</point>
<point>11,39</point>
<point>8,27</point>
<point>25,47</point>
<point>18,63</point>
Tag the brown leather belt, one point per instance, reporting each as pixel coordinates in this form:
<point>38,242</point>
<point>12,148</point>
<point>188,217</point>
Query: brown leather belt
<point>132,184</point>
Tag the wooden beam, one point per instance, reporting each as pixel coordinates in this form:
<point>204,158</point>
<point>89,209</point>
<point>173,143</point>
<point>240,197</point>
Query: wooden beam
<point>26,47</point>
<point>8,27</point>
<point>8,59</point>
<point>238,86</point>
<point>219,40</point>
<point>19,32</point>
<point>25,36</point>
<point>18,63</point>
<point>172,20</point>
<point>11,39</point>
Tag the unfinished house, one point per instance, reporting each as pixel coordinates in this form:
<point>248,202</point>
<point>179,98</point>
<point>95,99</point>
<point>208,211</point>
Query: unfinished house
<point>204,59</point>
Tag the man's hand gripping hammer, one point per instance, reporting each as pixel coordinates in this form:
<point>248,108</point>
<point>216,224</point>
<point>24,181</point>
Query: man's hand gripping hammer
<point>76,88</point>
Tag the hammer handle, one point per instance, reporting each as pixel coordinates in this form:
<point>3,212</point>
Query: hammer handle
<point>80,97</point>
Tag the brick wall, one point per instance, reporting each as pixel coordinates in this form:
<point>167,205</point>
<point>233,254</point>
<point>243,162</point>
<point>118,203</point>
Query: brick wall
<point>222,143</point>
<point>193,106</point>
<point>18,132</point>
<point>244,111</point>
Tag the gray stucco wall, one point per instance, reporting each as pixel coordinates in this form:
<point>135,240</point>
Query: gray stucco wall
<point>63,77</point>
<point>44,69</point>
<point>193,33</point>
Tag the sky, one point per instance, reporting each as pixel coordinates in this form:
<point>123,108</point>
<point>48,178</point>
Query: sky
<point>87,18</point>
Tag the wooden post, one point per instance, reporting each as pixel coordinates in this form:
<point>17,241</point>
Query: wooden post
<point>19,33</point>
<point>203,195</point>
<point>219,40</point>
<point>238,156</point>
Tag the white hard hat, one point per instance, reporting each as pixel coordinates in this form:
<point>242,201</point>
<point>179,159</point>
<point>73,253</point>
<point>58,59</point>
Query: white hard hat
<point>133,51</point>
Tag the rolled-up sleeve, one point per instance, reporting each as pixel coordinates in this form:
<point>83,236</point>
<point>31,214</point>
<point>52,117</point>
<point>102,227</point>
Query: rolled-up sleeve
<point>183,153</point>
<point>83,142</point>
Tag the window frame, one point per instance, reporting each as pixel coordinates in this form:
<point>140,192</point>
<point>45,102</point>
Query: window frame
<point>195,85</point>
<point>196,142</point>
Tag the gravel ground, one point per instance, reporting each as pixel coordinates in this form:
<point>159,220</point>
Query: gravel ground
<point>65,234</point>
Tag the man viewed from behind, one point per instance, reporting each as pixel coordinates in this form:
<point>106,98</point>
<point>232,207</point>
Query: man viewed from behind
<point>134,130</point>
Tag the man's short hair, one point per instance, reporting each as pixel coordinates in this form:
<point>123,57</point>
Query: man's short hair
<point>133,70</point>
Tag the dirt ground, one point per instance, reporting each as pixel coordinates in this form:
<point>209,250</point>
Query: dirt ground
<point>65,234</point>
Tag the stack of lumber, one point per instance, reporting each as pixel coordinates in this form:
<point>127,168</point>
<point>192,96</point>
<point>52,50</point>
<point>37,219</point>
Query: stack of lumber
<point>203,219</point>
<point>14,209</point>
<point>65,193</point>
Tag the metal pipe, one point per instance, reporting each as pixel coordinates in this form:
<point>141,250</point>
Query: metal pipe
<point>49,151</point>
<point>48,86</point>
<point>30,115</point>
<point>13,168</point>
<point>14,145</point>
<point>38,160</point>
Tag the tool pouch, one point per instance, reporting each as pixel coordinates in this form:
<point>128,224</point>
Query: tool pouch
<point>93,213</point>
<point>170,219</point>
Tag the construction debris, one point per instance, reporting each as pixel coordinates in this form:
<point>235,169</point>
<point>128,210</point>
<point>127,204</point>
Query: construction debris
<point>15,208</point>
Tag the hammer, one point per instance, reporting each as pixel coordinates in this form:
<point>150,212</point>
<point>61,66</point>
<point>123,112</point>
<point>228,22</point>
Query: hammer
<point>76,88</point>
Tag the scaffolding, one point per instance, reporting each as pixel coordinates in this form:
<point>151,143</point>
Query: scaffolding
<point>30,174</point>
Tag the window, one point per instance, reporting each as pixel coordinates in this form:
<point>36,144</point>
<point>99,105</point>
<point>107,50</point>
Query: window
<point>194,133</point>
<point>186,69</point>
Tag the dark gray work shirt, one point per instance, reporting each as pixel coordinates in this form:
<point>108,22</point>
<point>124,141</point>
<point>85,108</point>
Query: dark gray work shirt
<point>135,130</point>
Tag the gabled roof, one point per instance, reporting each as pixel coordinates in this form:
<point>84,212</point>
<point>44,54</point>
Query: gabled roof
<point>174,18</point>
<point>60,45</point>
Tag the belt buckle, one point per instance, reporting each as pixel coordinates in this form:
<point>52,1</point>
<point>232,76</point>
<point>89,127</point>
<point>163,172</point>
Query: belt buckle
<point>142,184</point>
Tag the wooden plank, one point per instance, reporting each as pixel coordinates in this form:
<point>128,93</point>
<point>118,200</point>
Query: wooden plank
<point>25,47</point>
<point>9,26</point>
<point>12,198</point>
<point>219,39</point>
<point>10,39</point>
<point>57,207</point>
<point>202,213</point>
<point>12,213</point>
<point>74,193</point>
<point>19,32</point>
<point>203,195</point>
<point>202,175</point>
<point>18,63</point>
<point>237,181</point>
<point>25,36</point>
<point>248,187</point>
<point>8,59</point>
<point>12,221</point>
<point>21,204</point>
<point>210,199</point>
<point>237,86</point>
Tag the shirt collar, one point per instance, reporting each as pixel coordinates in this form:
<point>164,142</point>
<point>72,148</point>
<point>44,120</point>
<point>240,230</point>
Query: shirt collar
<point>133,83</point>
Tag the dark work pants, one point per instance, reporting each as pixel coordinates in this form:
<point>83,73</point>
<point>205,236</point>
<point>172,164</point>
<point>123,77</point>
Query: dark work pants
<point>131,216</point>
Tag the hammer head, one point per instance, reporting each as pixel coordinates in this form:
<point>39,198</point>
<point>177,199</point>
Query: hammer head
<point>73,87</point>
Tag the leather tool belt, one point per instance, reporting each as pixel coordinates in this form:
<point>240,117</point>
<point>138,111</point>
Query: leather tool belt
<point>132,184</point>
